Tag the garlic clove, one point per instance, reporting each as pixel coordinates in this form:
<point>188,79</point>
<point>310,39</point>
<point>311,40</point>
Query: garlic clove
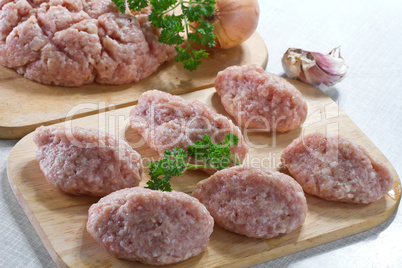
<point>314,68</point>
<point>292,62</point>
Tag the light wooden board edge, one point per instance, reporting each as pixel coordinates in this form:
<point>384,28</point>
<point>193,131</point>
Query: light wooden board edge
<point>33,220</point>
<point>274,252</point>
<point>317,241</point>
<point>11,128</point>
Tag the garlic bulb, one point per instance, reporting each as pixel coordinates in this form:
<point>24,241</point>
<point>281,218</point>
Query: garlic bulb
<point>314,68</point>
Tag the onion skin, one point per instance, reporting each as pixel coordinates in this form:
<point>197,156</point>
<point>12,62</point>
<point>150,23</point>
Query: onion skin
<point>234,21</point>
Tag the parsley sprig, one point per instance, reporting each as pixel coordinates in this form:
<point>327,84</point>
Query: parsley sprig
<point>175,161</point>
<point>165,15</point>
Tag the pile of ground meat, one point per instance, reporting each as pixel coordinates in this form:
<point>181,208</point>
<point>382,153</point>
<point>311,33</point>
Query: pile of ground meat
<point>77,42</point>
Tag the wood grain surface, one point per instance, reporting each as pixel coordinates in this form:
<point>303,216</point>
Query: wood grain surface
<point>60,219</point>
<point>25,104</point>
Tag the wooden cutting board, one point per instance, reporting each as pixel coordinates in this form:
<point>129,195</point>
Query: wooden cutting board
<point>25,104</point>
<point>60,219</point>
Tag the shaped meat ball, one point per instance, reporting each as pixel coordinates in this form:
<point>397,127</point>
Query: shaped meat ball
<point>82,161</point>
<point>166,121</point>
<point>260,100</point>
<point>151,227</point>
<point>336,169</point>
<point>254,202</point>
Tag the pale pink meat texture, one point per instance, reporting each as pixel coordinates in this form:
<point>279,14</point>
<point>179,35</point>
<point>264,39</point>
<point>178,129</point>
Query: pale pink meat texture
<point>74,42</point>
<point>336,169</point>
<point>254,202</point>
<point>260,100</point>
<point>166,121</point>
<point>82,161</point>
<point>150,226</point>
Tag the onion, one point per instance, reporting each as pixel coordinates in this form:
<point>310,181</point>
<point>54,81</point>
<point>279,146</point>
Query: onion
<point>234,21</point>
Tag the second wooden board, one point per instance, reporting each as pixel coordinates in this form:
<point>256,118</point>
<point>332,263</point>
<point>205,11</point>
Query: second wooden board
<point>25,104</point>
<point>60,219</point>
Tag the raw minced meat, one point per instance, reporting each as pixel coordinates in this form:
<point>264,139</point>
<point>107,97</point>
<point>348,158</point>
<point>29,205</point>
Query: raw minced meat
<point>76,42</point>
<point>149,226</point>
<point>255,202</point>
<point>260,100</point>
<point>166,121</point>
<point>336,169</point>
<point>82,161</point>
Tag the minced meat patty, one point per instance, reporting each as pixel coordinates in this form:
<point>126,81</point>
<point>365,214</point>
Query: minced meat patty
<point>150,226</point>
<point>255,202</point>
<point>260,100</point>
<point>74,42</point>
<point>166,121</point>
<point>336,169</point>
<point>83,161</point>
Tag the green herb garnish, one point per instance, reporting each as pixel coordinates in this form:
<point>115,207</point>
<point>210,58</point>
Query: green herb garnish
<point>175,161</point>
<point>165,15</point>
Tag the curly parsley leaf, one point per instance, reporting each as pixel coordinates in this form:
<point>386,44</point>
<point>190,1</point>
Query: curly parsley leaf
<point>137,5</point>
<point>191,58</point>
<point>231,140</point>
<point>175,25</point>
<point>215,155</point>
<point>174,162</point>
